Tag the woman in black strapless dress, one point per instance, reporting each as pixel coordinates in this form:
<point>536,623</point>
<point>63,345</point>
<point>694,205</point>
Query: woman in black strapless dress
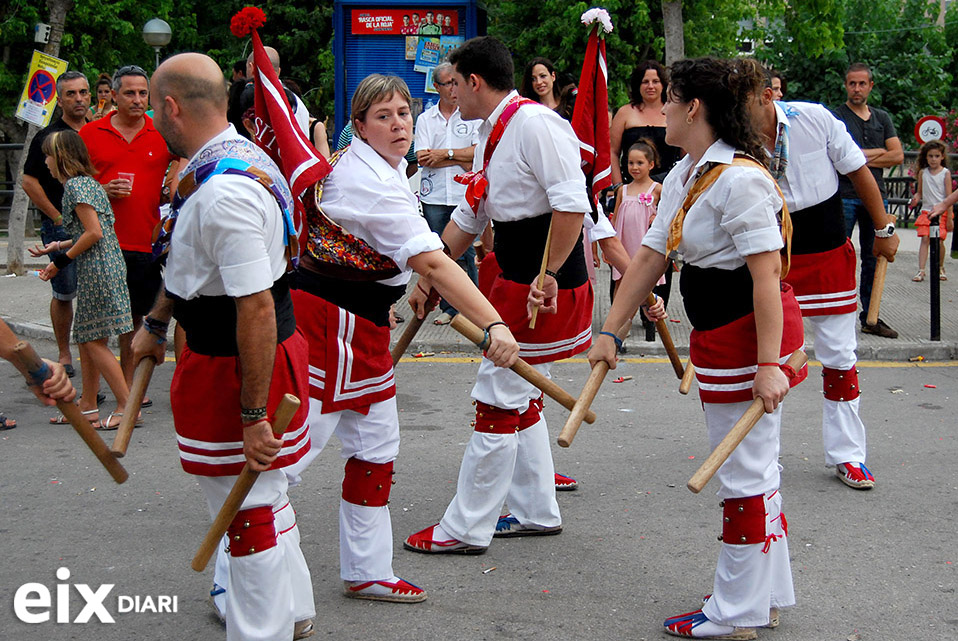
<point>642,118</point>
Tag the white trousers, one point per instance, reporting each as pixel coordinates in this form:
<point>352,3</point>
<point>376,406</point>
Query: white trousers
<point>748,580</point>
<point>365,533</point>
<point>287,533</point>
<point>266,588</point>
<point>843,432</point>
<point>499,467</point>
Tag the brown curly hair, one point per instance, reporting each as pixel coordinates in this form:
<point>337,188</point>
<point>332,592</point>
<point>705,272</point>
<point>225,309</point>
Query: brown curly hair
<point>725,87</point>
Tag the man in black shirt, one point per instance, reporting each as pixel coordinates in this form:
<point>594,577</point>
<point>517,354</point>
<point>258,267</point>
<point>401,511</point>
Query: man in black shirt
<point>46,192</point>
<point>874,132</point>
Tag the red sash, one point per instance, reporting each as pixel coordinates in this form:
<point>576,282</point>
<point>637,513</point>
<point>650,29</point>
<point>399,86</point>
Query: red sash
<point>475,181</point>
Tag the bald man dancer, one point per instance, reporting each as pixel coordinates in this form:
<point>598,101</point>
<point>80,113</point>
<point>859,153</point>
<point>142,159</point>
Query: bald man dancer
<point>225,260</point>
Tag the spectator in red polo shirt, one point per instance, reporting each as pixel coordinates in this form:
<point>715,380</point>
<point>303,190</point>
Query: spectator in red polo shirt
<point>132,160</point>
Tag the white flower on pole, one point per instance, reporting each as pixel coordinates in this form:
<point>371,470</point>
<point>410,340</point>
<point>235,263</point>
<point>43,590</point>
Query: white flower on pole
<point>597,13</point>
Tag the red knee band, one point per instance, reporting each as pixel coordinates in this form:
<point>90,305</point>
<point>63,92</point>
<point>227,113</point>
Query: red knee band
<point>744,520</point>
<point>496,420</point>
<point>367,483</point>
<point>532,415</point>
<point>840,385</point>
<point>252,531</point>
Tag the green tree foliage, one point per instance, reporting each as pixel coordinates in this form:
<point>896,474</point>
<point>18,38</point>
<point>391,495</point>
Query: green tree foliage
<point>911,58</point>
<point>100,36</point>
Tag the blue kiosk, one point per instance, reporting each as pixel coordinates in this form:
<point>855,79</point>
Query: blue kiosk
<point>406,38</point>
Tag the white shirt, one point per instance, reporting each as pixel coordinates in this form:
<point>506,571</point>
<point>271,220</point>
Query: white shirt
<point>933,187</point>
<point>372,200</point>
<point>534,169</point>
<point>434,131</point>
<point>596,231</point>
<point>736,217</point>
<point>302,116</point>
<point>818,146</point>
<point>229,237</point>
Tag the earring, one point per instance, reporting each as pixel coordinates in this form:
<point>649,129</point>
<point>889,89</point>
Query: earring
<point>688,120</point>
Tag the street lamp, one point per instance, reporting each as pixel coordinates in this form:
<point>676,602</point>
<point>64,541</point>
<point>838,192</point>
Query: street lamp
<point>157,34</point>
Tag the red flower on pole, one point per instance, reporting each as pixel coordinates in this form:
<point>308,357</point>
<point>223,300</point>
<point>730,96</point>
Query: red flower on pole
<point>247,19</point>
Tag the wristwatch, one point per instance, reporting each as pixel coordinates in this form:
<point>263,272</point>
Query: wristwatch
<point>450,153</point>
<point>885,232</point>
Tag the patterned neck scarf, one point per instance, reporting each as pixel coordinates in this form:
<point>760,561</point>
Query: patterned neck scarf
<point>779,160</point>
<point>239,157</point>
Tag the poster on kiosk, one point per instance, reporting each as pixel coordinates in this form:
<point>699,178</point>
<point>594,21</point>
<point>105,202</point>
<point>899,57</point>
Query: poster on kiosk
<point>407,39</point>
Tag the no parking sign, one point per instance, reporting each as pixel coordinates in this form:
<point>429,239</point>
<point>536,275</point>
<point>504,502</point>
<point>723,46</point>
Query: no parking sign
<point>40,93</point>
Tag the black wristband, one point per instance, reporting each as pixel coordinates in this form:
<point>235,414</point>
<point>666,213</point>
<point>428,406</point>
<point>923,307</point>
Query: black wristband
<point>549,272</point>
<point>62,260</point>
<point>494,323</point>
<point>253,415</point>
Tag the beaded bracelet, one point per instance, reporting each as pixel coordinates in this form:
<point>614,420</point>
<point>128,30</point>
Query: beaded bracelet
<point>157,328</point>
<point>618,341</point>
<point>253,415</point>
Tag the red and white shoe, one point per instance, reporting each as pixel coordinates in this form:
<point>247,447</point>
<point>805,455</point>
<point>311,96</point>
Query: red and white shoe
<point>855,475</point>
<point>565,483</point>
<point>424,541</point>
<point>695,625</point>
<point>395,591</point>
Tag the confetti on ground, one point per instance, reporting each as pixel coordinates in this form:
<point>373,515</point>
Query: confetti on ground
<point>423,354</point>
<point>916,359</point>
<point>488,570</point>
<point>674,320</point>
<point>691,457</point>
<point>897,391</point>
<point>929,386</point>
<point>622,379</point>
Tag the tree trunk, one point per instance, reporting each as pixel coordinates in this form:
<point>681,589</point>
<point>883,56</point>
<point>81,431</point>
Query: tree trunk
<point>18,208</point>
<point>674,30</point>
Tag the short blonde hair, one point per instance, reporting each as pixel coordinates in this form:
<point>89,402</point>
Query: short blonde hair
<point>69,153</point>
<point>375,88</point>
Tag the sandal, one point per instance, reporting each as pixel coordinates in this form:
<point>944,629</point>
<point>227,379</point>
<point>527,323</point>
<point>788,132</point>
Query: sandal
<point>6,423</point>
<point>60,419</point>
<point>920,276</point>
<point>110,426</point>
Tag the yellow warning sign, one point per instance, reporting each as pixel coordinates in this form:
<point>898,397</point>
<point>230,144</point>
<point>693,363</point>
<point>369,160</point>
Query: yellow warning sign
<point>39,96</point>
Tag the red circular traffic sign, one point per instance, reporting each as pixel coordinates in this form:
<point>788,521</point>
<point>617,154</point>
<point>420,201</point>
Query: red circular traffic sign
<point>41,87</point>
<point>929,128</point>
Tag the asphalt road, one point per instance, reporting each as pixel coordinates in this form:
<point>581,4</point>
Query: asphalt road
<point>637,545</point>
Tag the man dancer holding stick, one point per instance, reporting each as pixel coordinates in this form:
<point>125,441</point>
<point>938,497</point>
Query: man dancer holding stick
<point>227,260</point>
<point>529,176</point>
<point>809,148</point>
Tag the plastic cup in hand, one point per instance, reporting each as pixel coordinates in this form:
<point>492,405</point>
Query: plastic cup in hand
<point>127,177</point>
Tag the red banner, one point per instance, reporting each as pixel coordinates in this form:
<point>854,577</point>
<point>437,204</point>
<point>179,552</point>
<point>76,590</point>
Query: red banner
<point>405,22</point>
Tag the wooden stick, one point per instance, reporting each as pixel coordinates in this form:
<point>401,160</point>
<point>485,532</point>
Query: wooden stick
<point>412,328</point>
<point>878,287</point>
<point>663,329</point>
<point>586,396</point>
<point>738,432</point>
<point>141,380</point>
<point>687,378</point>
<point>39,372</point>
<point>244,483</point>
<point>522,368</point>
<point>542,274</point>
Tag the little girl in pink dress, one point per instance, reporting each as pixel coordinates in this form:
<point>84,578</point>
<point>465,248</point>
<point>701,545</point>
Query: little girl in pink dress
<point>636,202</point>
